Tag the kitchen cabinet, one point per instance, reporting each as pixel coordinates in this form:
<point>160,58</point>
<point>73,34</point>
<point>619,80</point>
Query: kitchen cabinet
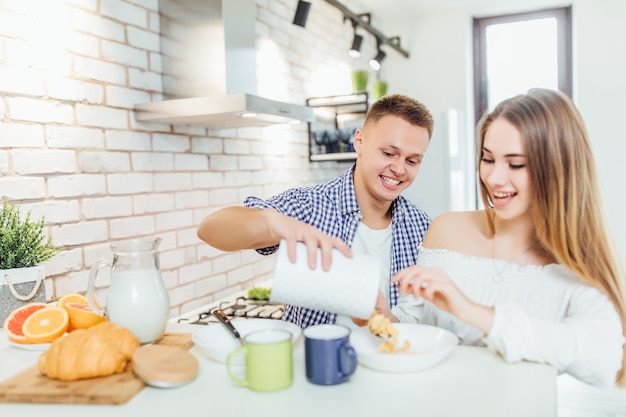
<point>336,118</point>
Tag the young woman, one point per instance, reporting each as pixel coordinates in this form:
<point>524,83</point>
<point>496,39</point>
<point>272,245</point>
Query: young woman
<point>532,276</point>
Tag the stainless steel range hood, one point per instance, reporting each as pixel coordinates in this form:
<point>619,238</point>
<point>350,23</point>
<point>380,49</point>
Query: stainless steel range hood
<point>234,110</point>
<point>208,50</point>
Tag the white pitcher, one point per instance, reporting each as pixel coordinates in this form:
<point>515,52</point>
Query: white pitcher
<point>137,298</point>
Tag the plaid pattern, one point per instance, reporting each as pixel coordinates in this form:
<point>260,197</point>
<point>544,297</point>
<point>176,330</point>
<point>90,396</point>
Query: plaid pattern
<point>332,208</point>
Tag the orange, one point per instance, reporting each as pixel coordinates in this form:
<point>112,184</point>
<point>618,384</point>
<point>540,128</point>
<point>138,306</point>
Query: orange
<point>14,321</point>
<point>71,298</point>
<point>82,316</point>
<point>46,325</point>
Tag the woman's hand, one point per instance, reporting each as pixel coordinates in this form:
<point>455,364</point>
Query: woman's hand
<point>434,285</point>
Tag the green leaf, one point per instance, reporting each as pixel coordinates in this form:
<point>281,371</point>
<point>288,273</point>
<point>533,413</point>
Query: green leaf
<point>23,242</point>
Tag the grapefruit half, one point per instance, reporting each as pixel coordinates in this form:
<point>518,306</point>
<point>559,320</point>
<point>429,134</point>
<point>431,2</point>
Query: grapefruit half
<point>15,320</point>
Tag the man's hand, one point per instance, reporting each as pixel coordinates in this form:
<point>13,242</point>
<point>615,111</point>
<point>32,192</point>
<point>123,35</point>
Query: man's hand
<point>380,307</point>
<point>293,231</point>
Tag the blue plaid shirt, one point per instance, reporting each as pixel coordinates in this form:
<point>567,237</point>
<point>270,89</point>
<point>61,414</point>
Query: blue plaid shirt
<point>332,208</point>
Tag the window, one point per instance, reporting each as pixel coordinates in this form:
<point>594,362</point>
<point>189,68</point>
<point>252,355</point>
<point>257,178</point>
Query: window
<point>516,52</point>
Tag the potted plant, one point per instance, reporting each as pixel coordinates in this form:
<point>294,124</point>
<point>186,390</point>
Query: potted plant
<point>359,80</point>
<point>24,246</point>
<point>379,89</point>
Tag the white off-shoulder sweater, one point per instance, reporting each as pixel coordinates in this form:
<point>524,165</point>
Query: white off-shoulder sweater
<point>544,314</point>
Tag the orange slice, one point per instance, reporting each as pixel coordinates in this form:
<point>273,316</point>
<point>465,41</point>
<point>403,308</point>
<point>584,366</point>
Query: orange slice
<point>82,316</point>
<point>14,321</point>
<point>46,325</point>
<point>72,297</point>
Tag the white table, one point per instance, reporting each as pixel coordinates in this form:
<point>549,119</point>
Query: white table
<point>470,382</point>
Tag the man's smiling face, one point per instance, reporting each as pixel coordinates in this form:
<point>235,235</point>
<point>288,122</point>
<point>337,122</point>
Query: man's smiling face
<point>390,153</point>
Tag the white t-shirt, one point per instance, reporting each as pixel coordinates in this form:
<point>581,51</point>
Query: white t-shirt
<point>375,243</point>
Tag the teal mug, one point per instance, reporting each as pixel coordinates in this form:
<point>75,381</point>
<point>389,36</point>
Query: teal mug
<point>268,359</point>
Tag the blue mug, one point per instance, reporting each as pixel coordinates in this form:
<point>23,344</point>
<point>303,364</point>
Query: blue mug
<point>329,357</point>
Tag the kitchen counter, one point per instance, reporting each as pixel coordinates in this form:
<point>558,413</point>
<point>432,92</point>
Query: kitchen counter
<point>471,382</point>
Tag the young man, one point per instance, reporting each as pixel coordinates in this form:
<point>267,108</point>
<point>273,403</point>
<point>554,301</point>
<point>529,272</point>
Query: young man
<point>360,211</point>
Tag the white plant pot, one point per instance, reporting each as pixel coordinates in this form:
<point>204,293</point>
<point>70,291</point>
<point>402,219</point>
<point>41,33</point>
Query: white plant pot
<point>19,286</point>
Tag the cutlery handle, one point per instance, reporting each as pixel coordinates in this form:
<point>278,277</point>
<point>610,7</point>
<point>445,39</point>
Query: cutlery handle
<point>221,316</point>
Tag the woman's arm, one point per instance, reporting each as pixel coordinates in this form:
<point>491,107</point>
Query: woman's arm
<point>587,343</point>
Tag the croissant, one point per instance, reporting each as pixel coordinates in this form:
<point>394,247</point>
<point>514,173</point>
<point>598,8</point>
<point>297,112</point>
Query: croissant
<point>100,350</point>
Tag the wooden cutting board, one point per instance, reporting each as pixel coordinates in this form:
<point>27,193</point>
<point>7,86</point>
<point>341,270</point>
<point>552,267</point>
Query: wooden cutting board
<point>29,386</point>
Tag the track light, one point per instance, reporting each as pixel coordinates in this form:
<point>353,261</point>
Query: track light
<point>378,59</point>
<point>355,49</point>
<point>363,21</point>
<point>302,13</point>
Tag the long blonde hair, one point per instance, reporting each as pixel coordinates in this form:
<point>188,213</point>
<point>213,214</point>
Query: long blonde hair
<point>567,211</point>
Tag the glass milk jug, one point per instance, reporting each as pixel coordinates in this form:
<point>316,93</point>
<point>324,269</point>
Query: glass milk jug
<point>137,298</point>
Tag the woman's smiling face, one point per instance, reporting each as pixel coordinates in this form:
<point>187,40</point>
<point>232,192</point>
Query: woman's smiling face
<point>503,169</point>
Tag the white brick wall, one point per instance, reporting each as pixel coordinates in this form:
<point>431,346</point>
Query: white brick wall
<point>125,97</point>
<point>97,26</point>
<point>172,182</point>
<point>106,207</point>
<point>55,211</point>
<point>21,80</point>
<point>79,233</point>
<point>43,162</point>
<point>147,80</point>
<point>131,227</point>
<point>4,164</point>
<point>71,151</point>
<point>149,161</point>
<point>22,188</point>
<point>96,162</point>
<point>151,203</point>
<point>127,140</point>
<point>15,135</point>
<point>73,137</point>
<point>187,162</point>
<point>100,116</point>
<point>191,199</point>
<point>130,183</point>
<point>76,186</point>
<point>174,143</point>
<point>100,71</point>
<point>123,54</point>
<point>39,111</point>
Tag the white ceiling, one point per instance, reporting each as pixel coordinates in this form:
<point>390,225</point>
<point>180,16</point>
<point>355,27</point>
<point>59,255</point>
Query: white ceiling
<point>478,8</point>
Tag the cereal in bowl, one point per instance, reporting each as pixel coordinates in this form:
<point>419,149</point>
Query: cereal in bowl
<point>381,326</point>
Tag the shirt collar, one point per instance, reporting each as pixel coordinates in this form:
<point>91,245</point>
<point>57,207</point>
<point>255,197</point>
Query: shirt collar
<point>349,205</point>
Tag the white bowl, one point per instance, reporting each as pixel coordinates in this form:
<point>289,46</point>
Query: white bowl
<point>430,345</point>
<point>217,342</point>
